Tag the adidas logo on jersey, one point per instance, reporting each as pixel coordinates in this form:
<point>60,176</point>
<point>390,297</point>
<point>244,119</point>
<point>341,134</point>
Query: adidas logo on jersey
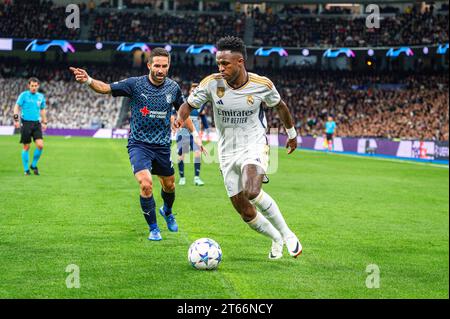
<point>219,102</point>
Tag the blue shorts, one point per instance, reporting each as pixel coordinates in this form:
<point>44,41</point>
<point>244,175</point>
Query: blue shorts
<point>185,144</point>
<point>156,158</point>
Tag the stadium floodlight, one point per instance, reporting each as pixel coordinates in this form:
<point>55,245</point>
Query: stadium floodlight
<point>43,46</point>
<point>197,49</point>
<point>99,45</point>
<point>128,47</point>
<point>395,52</point>
<point>425,50</point>
<point>305,52</point>
<point>334,53</point>
<point>370,52</point>
<point>268,51</point>
<point>442,49</point>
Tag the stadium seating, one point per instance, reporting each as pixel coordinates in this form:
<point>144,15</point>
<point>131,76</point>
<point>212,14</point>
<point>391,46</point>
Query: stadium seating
<point>385,105</point>
<point>270,29</point>
<point>296,31</point>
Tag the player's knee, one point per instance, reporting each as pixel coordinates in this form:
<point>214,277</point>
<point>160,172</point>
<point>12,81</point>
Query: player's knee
<point>146,186</point>
<point>40,146</point>
<point>251,192</point>
<point>26,147</point>
<point>248,215</point>
<point>169,186</point>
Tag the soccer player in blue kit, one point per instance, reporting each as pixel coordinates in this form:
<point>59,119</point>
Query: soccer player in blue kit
<point>185,143</point>
<point>152,98</point>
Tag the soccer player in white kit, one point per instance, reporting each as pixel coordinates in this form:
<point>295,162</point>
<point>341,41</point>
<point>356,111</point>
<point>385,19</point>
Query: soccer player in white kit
<point>237,97</point>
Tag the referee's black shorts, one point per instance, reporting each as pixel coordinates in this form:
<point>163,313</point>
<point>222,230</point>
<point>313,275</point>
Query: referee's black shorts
<point>30,129</point>
<point>329,136</point>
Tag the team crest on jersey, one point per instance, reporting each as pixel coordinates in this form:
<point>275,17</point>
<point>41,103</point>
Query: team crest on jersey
<point>220,91</point>
<point>169,98</point>
<point>250,100</point>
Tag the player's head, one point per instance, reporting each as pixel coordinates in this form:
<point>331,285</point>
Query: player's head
<point>231,56</point>
<point>158,64</point>
<point>330,118</point>
<point>33,84</point>
<point>193,86</point>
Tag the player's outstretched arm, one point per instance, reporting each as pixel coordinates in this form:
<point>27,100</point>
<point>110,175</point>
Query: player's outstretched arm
<point>82,76</point>
<point>288,122</point>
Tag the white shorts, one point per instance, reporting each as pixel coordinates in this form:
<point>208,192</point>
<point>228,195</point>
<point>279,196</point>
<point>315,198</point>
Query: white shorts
<point>232,166</point>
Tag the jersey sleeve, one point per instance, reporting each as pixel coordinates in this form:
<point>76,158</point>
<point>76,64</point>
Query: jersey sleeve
<point>199,96</point>
<point>123,88</point>
<point>272,97</point>
<point>179,98</point>
<point>19,101</point>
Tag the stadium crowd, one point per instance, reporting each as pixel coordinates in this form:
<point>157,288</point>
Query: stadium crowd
<point>403,29</point>
<point>202,28</point>
<point>386,105</point>
<point>69,105</point>
<point>35,20</point>
<point>45,20</point>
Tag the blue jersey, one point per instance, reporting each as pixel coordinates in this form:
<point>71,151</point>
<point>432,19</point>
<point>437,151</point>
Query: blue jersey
<point>31,105</point>
<point>330,127</point>
<point>151,107</point>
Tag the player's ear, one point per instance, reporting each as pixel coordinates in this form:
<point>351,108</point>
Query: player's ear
<point>149,65</point>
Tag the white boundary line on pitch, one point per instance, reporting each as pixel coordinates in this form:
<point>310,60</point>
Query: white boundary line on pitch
<point>381,159</point>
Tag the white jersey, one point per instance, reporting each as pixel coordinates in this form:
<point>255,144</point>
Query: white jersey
<point>238,114</point>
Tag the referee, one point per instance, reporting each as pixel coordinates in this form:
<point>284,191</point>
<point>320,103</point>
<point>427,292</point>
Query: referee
<point>29,114</point>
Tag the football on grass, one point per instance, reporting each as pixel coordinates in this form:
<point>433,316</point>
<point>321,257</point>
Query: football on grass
<point>205,254</point>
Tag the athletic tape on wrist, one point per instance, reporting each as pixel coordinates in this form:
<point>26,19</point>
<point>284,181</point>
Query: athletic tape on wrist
<point>291,132</point>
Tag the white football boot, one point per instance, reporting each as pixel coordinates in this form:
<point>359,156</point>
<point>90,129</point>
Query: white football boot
<point>182,181</point>
<point>293,245</point>
<point>198,181</point>
<point>276,252</point>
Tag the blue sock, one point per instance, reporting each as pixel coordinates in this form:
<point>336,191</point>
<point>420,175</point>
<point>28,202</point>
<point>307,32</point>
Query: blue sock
<point>197,169</point>
<point>25,160</point>
<point>148,208</point>
<point>181,168</point>
<point>168,198</point>
<point>36,156</point>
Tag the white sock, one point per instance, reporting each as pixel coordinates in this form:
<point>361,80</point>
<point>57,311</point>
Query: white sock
<point>270,210</point>
<point>263,226</point>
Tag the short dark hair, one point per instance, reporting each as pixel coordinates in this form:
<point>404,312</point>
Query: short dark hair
<point>33,79</point>
<point>233,44</point>
<point>158,52</point>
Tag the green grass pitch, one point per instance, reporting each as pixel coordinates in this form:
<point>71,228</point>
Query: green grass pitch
<point>349,213</point>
